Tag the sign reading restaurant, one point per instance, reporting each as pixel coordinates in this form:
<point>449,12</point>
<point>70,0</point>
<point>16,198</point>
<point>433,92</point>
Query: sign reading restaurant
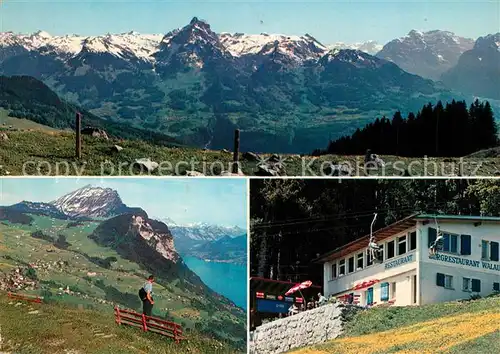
<point>399,261</point>
<point>466,262</point>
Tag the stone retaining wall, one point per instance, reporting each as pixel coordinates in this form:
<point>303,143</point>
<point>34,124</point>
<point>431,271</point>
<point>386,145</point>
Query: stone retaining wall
<point>304,329</point>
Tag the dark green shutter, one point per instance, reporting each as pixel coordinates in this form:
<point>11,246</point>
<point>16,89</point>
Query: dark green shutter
<point>496,286</point>
<point>465,243</point>
<point>440,279</point>
<point>494,251</point>
<point>453,243</point>
<point>446,243</point>
<point>432,235</point>
<point>476,285</point>
<point>384,292</point>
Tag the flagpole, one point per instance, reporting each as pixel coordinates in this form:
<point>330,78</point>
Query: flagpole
<point>303,298</point>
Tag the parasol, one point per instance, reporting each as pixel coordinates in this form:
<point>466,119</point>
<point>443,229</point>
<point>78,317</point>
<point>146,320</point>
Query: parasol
<point>299,287</point>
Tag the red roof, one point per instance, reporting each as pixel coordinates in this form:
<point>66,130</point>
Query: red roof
<point>365,284</point>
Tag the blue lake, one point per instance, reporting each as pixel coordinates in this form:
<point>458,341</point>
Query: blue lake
<point>226,279</point>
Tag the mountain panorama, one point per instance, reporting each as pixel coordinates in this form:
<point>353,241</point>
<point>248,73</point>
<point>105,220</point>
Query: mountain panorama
<point>95,203</point>
<point>285,93</point>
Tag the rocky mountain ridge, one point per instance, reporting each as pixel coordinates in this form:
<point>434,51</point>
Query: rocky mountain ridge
<point>91,202</point>
<point>478,69</point>
<point>427,54</point>
<point>204,231</point>
<point>145,46</point>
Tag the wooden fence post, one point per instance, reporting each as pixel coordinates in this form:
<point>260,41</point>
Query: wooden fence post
<point>236,152</point>
<point>144,326</point>
<point>78,127</point>
<point>118,319</point>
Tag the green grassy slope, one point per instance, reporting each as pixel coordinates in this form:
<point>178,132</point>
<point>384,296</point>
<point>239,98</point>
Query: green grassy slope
<point>7,121</point>
<point>452,327</point>
<point>27,97</point>
<point>43,149</point>
<point>59,328</point>
<point>61,268</point>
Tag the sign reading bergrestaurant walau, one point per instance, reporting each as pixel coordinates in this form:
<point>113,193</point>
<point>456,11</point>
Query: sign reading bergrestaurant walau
<point>466,262</point>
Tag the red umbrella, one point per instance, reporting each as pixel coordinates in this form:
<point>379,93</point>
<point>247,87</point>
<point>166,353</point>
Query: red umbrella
<point>299,287</point>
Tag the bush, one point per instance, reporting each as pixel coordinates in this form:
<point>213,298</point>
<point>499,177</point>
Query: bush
<point>46,294</point>
<point>475,297</point>
<point>494,294</point>
<point>61,242</point>
<point>75,289</point>
<point>31,273</point>
<point>41,236</point>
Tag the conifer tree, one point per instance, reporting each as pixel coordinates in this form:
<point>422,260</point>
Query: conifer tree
<point>450,130</point>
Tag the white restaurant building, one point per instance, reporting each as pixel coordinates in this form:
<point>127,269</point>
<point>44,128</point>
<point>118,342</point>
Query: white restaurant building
<point>406,273</point>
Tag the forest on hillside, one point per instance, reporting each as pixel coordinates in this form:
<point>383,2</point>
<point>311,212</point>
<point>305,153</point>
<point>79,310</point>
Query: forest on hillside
<point>438,131</point>
<point>294,221</point>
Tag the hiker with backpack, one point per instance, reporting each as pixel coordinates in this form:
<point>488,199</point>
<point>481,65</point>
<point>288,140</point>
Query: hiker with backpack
<point>145,293</point>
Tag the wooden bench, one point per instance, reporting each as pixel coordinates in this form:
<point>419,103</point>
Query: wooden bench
<point>25,297</point>
<point>149,323</point>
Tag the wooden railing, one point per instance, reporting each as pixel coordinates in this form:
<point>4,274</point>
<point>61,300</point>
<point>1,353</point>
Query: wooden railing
<point>24,297</point>
<point>149,323</point>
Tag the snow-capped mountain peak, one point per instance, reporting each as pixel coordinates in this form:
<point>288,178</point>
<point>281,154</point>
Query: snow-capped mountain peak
<point>124,46</point>
<point>41,34</point>
<point>352,56</point>
<point>192,44</point>
<point>166,220</point>
<point>201,231</point>
<point>489,41</point>
<point>370,47</point>
<point>90,201</point>
<point>195,31</point>
<point>415,34</point>
<point>427,54</point>
<point>298,48</point>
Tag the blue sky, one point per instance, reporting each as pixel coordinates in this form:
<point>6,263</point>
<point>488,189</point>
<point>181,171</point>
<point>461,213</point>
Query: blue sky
<point>214,201</point>
<point>329,21</point>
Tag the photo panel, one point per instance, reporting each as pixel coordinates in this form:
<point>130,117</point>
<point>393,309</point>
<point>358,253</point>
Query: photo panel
<point>95,265</point>
<point>249,88</point>
<point>374,266</point>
